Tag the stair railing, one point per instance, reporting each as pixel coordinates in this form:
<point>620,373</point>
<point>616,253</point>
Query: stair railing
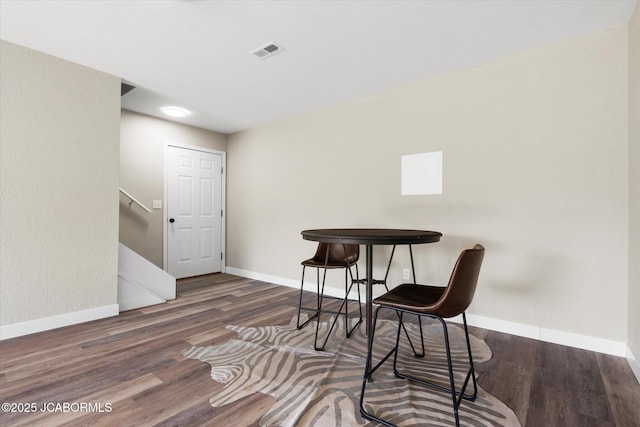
<point>134,200</point>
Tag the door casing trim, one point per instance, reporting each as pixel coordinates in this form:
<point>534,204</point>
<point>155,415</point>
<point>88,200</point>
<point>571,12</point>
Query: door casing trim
<point>165,215</point>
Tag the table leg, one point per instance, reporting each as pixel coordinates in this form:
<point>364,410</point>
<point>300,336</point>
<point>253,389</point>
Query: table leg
<point>369,290</point>
<point>369,253</point>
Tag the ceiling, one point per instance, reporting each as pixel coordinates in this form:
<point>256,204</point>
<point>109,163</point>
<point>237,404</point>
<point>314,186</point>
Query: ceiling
<point>196,53</point>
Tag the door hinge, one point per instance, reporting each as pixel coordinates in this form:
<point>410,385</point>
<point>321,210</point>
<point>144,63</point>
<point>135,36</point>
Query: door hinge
<point>222,171</point>
<point>221,256</point>
<point>221,212</point>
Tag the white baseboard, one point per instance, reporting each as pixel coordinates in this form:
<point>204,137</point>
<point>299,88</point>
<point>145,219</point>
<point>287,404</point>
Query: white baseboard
<point>291,283</point>
<point>584,342</point>
<point>44,324</point>
<point>263,277</point>
<point>615,348</point>
<point>634,363</point>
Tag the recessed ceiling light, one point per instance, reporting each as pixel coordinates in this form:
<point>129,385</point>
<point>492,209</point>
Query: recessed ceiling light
<point>175,111</point>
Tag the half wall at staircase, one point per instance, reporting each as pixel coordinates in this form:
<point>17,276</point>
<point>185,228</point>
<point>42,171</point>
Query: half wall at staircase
<point>140,282</point>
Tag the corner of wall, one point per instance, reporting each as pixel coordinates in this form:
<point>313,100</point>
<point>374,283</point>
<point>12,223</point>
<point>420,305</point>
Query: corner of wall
<point>634,363</point>
<point>633,338</point>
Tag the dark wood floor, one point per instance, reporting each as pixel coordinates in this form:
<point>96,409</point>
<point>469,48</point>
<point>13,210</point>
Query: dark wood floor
<point>131,368</point>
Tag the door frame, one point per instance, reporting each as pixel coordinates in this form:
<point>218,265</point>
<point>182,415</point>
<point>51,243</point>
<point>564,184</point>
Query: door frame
<point>223,195</point>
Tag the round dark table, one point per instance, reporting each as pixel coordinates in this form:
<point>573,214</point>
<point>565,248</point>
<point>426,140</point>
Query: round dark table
<point>370,237</point>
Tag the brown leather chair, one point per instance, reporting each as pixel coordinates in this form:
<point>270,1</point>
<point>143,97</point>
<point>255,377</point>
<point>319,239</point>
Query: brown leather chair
<point>437,303</point>
<point>330,256</point>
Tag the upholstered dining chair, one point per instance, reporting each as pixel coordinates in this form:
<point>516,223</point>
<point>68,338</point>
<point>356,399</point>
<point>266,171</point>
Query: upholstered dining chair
<point>330,256</point>
<point>437,303</point>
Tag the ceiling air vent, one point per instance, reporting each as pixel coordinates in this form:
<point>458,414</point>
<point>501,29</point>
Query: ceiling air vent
<point>267,50</point>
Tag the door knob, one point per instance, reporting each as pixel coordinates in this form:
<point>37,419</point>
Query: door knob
<point>171,220</point>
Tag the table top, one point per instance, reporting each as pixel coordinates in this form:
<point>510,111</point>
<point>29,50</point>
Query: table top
<point>371,236</point>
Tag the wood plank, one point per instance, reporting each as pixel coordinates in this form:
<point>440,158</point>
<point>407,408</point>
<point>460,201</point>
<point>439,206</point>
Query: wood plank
<point>511,364</point>
<point>623,395</point>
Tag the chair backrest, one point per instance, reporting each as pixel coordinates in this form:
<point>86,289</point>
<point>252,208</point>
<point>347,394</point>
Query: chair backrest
<point>462,283</point>
<point>339,254</point>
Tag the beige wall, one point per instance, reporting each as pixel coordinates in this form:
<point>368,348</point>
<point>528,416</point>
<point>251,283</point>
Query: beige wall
<point>142,146</point>
<point>634,184</point>
<point>59,127</point>
<point>535,168</point>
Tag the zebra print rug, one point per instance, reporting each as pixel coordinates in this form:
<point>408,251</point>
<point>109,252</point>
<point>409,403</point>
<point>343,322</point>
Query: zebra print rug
<point>321,389</point>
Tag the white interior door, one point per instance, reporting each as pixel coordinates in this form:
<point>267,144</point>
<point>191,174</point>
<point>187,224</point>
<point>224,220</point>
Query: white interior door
<point>194,212</point>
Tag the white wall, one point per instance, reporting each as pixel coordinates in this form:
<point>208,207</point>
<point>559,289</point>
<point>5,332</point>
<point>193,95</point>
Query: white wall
<point>634,186</point>
<point>535,168</point>
<point>59,127</point>
<point>142,146</point>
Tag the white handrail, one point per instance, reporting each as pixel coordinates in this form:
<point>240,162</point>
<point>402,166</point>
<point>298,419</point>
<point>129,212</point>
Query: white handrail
<point>133,200</point>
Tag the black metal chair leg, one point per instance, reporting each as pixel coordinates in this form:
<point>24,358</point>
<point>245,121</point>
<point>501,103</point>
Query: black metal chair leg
<point>333,324</point>
<point>455,401</point>
<point>472,369</point>
<point>321,298</point>
<point>384,282</point>
<point>348,289</point>
<point>386,274</point>
<point>357,282</point>
<point>337,313</point>
<point>413,272</point>
<point>346,303</point>
<point>456,396</point>
<point>368,371</point>
<point>300,307</point>
<point>460,394</point>
<point>415,353</point>
<point>329,257</point>
<point>353,328</point>
<point>300,299</point>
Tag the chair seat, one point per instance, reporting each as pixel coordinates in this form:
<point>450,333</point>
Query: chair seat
<point>316,263</point>
<point>410,296</point>
<point>423,299</point>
